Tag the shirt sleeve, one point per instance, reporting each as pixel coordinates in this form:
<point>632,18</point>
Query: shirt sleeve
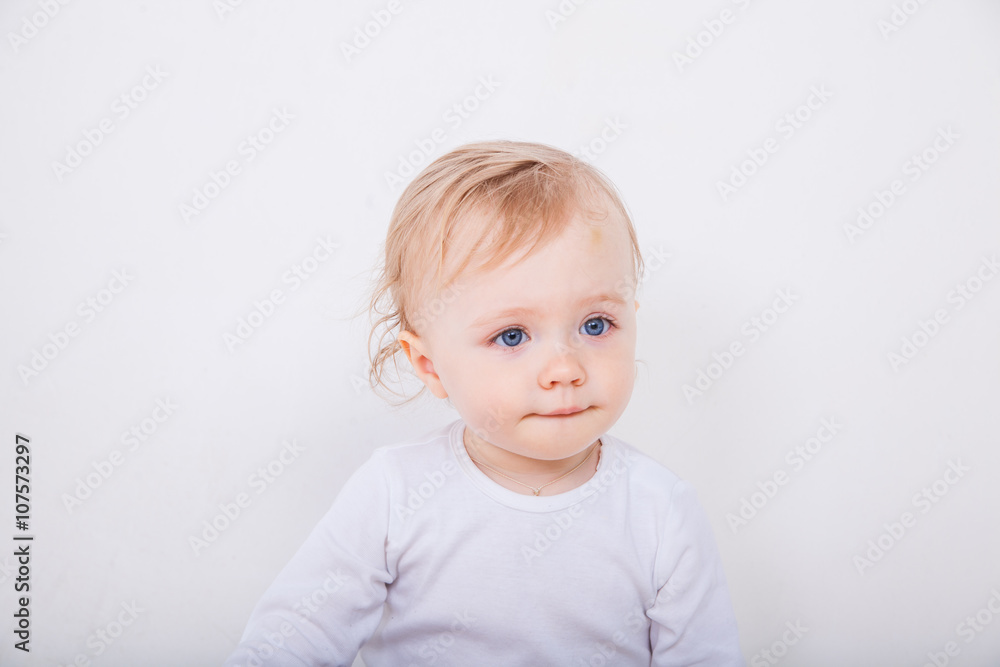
<point>327,601</point>
<point>692,618</point>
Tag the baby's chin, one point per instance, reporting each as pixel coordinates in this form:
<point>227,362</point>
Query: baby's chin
<point>548,448</point>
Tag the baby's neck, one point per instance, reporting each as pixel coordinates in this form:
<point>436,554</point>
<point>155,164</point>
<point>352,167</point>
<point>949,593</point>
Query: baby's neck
<point>534,477</point>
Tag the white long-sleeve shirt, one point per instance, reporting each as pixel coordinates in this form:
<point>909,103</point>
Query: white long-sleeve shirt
<point>425,560</point>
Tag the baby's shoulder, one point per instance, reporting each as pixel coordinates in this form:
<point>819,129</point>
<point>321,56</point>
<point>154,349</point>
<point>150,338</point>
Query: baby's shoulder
<point>640,464</point>
<point>657,497</point>
<point>647,477</point>
<point>416,456</point>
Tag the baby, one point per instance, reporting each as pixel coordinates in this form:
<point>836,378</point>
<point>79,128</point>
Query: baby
<point>522,533</point>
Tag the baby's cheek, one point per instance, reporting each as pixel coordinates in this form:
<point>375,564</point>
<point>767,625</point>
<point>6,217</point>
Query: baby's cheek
<point>625,364</point>
<point>625,377</point>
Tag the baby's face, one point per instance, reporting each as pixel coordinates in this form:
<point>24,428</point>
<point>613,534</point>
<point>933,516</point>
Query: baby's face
<point>555,332</point>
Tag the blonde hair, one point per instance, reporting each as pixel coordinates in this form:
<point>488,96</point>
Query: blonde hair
<point>482,201</point>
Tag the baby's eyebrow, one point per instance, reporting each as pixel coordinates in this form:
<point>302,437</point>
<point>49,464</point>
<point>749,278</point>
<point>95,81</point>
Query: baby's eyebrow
<point>520,311</point>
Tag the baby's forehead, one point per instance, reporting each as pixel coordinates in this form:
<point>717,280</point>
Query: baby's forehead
<point>483,243</point>
<point>603,238</point>
<point>582,259</point>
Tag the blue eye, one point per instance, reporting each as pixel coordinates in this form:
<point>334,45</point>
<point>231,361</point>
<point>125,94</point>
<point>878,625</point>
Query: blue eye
<point>599,329</point>
<point>512,336</point>
<point>595,326</point>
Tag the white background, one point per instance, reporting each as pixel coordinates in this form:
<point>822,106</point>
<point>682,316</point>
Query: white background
<point>681,129</point>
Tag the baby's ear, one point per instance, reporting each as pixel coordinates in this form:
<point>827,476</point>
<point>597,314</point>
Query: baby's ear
<point>417,353</point>
<point>637,305</point>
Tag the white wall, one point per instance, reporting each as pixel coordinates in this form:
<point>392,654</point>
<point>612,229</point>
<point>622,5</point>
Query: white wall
<point>676,130</point>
